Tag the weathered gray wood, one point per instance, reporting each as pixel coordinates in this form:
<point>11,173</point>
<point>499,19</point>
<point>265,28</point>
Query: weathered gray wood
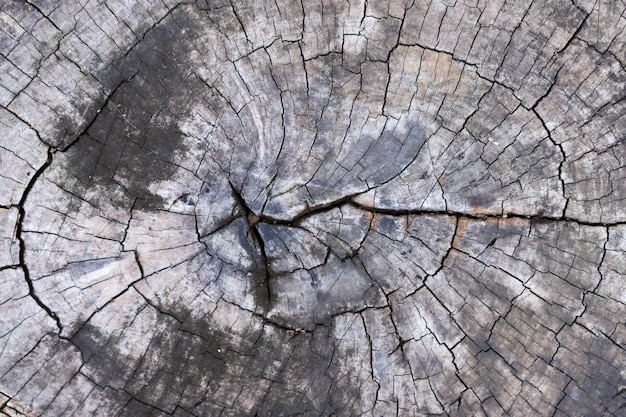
<point>313,208</point>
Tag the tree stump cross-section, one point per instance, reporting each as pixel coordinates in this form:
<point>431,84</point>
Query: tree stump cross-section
<point>313,208</point>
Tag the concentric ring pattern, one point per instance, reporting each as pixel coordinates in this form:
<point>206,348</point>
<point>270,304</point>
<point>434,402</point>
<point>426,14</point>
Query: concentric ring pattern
<point>317,208</point>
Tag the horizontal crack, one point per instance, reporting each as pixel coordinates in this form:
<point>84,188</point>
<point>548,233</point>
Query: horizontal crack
<point>485,216</point>
<point>349,200</point>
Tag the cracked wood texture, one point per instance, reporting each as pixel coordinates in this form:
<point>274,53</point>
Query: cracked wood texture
<point>315,208</point>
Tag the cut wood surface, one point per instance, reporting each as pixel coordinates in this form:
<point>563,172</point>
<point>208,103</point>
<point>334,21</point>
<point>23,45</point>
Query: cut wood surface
<point>315,208</point>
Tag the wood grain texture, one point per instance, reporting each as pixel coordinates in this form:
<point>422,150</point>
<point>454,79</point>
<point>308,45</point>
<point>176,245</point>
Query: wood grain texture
<point>316,208</point>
